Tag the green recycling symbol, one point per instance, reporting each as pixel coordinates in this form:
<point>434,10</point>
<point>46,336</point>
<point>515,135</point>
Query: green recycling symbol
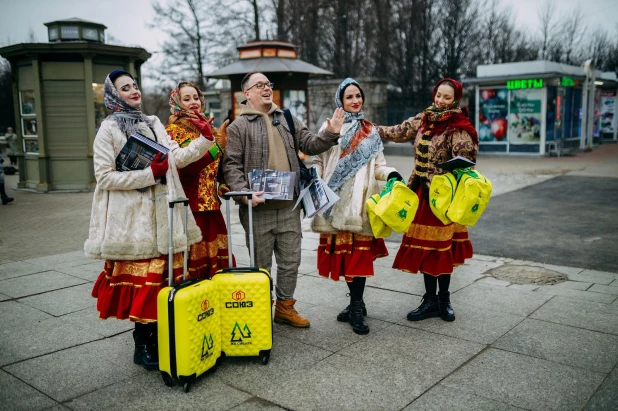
<point>475,208</point>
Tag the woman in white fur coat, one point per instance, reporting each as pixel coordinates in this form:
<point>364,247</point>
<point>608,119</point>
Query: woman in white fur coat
<point>351,169</point>
<point>129,218</point>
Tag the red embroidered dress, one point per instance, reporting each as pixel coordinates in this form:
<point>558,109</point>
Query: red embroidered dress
<point>430,246</point>
<point>199,181</point>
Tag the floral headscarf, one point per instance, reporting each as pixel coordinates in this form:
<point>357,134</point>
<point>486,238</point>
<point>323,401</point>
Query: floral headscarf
<point>359,144</point>
<point>177,108</point>
<point>123,114</point>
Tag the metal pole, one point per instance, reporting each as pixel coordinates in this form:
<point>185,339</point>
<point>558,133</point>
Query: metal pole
<point>591,109</point>
<point>582,141</point>
<point>170,252</point>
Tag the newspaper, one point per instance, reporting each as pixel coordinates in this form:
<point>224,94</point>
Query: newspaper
<point>315,194</point>
<point>276,185</point>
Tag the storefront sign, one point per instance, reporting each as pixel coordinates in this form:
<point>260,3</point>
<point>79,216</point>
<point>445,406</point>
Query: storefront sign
<point>567,82</point>
<point>525,83</point>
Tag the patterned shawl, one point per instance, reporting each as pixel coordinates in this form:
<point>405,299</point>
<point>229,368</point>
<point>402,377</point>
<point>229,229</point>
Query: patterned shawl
<point>177,109</point>
<point>125,116</point>
<point>359,144</point>
<point>436,121</point>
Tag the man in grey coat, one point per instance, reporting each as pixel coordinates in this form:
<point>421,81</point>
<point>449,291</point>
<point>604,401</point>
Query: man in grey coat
<point>261,139</point>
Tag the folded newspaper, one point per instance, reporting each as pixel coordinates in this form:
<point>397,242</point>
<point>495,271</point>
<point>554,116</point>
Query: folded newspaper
<point>315,194</point>
<point>276,185</point>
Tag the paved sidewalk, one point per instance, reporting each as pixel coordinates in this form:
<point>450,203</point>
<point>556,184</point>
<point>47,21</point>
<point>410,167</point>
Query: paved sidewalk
<point>512,346</point>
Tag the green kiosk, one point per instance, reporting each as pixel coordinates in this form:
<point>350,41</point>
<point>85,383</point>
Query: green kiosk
<point>58,100</point>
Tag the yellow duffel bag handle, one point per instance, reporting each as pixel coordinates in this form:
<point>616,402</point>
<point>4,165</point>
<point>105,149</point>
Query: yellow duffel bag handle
<point>397,206</point>
<point>471,197</point>
<point>441,194</point>
<point>379,229</point>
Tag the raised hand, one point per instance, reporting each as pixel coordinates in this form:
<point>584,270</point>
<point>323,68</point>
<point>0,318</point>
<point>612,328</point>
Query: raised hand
<point>203,124</point>
<point>334,125</point>
<point>221,134</point>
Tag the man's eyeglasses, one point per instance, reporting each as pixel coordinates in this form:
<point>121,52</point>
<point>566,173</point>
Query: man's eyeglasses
<point>259,85</point>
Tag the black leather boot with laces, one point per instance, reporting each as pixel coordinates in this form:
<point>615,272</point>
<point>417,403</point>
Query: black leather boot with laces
<point>446,310</point>
<point>429,308</point>
<point>358,323</point>
<point>344,315</point>
<point>145,353</point>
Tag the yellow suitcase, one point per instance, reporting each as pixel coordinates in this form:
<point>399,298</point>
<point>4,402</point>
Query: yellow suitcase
<point>188,323</point>
<point>245,295</point>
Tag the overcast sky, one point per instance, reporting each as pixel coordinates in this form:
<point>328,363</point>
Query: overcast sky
<point>127,20</point>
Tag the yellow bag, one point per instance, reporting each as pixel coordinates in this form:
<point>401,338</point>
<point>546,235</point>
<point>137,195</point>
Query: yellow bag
<point>397,206</point>
<point>379,229</point>
<point>471,197</point>
<point>441,193</point>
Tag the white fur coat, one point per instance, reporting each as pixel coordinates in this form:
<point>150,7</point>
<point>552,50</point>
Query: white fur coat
<point>126,224</point>
<point>349,213</point>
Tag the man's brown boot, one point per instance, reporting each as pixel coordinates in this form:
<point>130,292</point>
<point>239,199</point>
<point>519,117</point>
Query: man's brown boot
<point>285,313</point>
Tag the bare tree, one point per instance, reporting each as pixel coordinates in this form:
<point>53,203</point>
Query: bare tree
<point>459,29</point>
<point>547,21</point>
<point>573,33</point>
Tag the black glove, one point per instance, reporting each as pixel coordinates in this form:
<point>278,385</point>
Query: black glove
<point>396,175</point>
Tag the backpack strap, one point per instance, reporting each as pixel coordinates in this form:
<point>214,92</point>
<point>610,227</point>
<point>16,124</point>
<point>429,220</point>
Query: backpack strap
<point>290,121</point>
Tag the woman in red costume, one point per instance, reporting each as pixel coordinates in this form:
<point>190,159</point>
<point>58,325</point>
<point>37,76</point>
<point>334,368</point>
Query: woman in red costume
<point>201,180</point>
<point>440,133</point>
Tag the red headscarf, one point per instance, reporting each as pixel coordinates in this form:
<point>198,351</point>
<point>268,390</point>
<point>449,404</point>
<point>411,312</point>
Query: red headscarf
<point>451,118</point>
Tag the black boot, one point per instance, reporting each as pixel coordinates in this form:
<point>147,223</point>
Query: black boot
<point>5,199</point>
<point>356,320</point>
<point>344,316</point>
<point>144,354</point>
<point>446,310</point>
<point>428,308</point>
<point>153,341</point>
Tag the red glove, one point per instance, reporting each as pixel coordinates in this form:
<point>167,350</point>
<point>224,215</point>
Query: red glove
<point>159,166</point>
<point>203,124</point>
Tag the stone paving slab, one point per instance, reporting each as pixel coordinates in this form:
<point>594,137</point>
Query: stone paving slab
<point>417,359</point>
<point>344,383</point>
<point>591,278</point>
<point>89,272</point>
<point>69,373</point>
<point>441,398</point>
<point>88,319</point>
<point>289,358</point>
<point>64,301</point>
<point>562,344</point>
<point>387,305</point>
<point>146,391</point>
<point>35,338</point>
<point>14,314</point>
<point>325,331</point>
<point>18,269</point>
<point>4,297</point>
<point>581,314</point>
<point>65,259</point>
<point>38,283</point>
<point>257,404</point>
<point>471,324</point>
<point>320,291</point>
<point>609,289</point>
<point>577,294</point>
<point>606,397</point>
<point>18,396</point>
<point>500,299</point>
<point>526,382</point>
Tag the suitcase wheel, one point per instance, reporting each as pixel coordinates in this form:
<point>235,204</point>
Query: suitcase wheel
<point>167,379</point>
<point>265,357</point>
<point>186,387</point>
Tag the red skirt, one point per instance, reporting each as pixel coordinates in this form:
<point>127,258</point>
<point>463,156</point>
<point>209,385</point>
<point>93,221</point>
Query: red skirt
<point>430,246</point>
<point>349,255</point>
<point>211,254</point>
<point>129,289</point>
